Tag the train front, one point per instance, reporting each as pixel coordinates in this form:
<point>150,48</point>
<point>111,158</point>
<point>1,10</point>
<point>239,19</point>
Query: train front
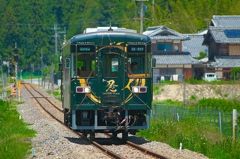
<point>107,83</point>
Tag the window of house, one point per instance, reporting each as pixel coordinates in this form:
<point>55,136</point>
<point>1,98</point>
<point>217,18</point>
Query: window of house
<point>164,47</point>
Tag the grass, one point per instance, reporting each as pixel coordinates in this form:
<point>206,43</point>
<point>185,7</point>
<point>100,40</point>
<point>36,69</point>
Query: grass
<point>195,81</point>
<point>14,133</point>
<point>168,102</point>
<point>157,89</point>
<point>217,82</point>
<point>56,94</point>
<point>194,135</point>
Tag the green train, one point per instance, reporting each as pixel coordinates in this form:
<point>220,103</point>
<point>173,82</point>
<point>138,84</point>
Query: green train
<point>107,82</point>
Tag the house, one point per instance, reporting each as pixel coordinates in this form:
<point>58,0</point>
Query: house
<point>172,61</point>
<point>223,42</point>
<point>194,46</point>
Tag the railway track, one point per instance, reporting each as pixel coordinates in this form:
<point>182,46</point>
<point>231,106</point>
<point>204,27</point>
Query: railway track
<point>56,112</point>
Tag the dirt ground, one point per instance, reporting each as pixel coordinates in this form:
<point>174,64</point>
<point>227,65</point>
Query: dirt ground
<point>190,91</point>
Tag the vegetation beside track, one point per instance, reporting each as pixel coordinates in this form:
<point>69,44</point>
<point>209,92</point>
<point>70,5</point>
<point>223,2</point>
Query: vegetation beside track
<point>194,134</point>
<point>14,133</point>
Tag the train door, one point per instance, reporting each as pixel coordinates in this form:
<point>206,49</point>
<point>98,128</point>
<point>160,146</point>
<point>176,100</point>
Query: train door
<point>112,77</point>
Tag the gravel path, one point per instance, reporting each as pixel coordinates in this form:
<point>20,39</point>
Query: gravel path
<point>55,141</point>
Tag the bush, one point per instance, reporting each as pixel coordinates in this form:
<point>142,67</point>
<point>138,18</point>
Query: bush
<point>223,104</point>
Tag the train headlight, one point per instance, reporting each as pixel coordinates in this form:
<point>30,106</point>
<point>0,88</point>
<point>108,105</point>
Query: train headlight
<point>81,89</point>
<point>139,89</point>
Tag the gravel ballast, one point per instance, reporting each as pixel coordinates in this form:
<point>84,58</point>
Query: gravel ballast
<point>53,140</point>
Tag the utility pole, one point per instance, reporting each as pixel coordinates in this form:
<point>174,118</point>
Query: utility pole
<point>63,32</point>
<point>15,50</point>
<point>153,9</point>
<point>141,14</point>
<point>2,71</point>
<point>56,36</point>
<point>41,66</point>
<point>141,17</point>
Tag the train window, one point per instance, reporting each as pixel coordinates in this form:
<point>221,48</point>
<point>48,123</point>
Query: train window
<point>111,65</point>
<point>85,65</point>
<point>92,65</point>
<point>81,65</point>
<point>139,65</point>
<point>136,65</point>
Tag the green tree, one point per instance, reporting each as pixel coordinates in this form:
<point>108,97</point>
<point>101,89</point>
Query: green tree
<point>37,32</point>
<point>10,33</point>
<point>202,55</point>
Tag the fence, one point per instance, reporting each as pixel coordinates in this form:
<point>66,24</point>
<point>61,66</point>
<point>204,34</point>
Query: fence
<point>223,120</point>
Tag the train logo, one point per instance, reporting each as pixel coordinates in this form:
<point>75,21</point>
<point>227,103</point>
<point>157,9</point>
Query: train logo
<point>111,86</point>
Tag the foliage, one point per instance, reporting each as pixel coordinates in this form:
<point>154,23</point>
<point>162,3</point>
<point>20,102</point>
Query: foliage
<point>193,97</point>
<point>235,73</point>
<point>223,104</point>
<point>56,94</point>
<point>30,24</point>
<point>168,82</point>
<point>202,55</point>
<point>11,80</point>
<point>14,134</point>
<point>156,89</point>
<point>168,102</point>
<point>216,82</point>
<point>194,135</point>
<point>193,81</point>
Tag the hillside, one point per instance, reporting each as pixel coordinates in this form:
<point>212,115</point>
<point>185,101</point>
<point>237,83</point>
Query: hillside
<point>192,92</point>
<point>31,25</point>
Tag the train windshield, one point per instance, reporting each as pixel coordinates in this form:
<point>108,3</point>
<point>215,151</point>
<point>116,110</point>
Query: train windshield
<point>111,63</point>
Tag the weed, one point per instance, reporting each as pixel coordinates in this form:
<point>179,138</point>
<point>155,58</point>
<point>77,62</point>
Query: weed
<point>156,89</point>
<point>193,97</point>
<point>218,91</point>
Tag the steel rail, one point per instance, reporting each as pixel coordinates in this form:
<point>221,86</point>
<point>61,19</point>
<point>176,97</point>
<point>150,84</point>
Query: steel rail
<point>102,148</point>
<point>141,149</point>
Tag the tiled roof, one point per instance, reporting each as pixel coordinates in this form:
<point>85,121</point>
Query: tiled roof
<point>226,21</point>
<point>194,45</point>
<point>164,33</point>
<point>174,58</point>
<point>226,61</point>
<point>219,35</point>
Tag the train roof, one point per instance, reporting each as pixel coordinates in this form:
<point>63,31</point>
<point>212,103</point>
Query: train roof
<point>110,37</point>
<point>103,29</point>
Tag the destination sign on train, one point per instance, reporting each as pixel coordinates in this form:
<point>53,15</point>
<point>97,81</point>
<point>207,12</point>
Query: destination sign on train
<point>83,48</point>
<point>136,48</point>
